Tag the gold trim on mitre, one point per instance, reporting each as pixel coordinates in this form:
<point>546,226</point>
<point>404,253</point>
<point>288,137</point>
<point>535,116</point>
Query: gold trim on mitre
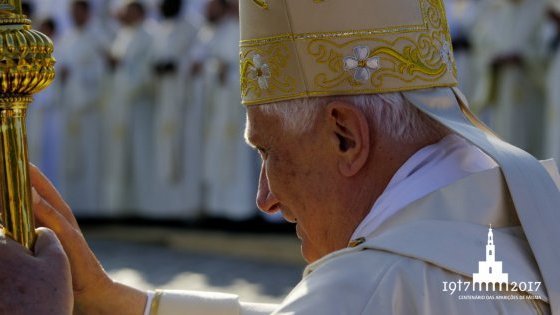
<point>301,48</point>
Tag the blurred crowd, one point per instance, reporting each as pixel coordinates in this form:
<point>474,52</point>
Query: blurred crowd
<point>144,117</point>
<point>509,68</point>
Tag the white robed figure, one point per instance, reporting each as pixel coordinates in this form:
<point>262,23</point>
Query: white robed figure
<point>128,114</point>
<point>45,133</point>
<point>461,15</point>
<point>178,119</point>
<point>509,55</point>
<point>552,146</point>
<point>229,171</point>
<point>45,122</point>
<point>82,73</point>
<point>52,9</point>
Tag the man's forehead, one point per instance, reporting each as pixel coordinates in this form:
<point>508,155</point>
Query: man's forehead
<point>252,129</point>
<point>260,126</point>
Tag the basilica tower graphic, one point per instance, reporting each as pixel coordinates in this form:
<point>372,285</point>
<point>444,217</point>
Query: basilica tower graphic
<point>490,270</point>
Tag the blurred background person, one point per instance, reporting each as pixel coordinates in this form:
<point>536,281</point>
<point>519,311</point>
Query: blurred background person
<point>178,121</point>
<point>509,56</point>
<point>81,75</point>
<point>128,111</point>
<point>45,121</point>
<point>229,170</point>
<point>57,10</point>
<point>461,16</point>
<point>54,9</point>
<point>553,86</point>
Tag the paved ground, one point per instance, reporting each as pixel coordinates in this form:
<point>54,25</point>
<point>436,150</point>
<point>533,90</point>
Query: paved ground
<point>260,268</point>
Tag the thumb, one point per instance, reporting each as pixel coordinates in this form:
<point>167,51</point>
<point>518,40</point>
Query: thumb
<point>48,247</point>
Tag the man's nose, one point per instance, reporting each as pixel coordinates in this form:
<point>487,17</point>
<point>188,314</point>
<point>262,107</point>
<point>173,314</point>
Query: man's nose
<point>266,201</point>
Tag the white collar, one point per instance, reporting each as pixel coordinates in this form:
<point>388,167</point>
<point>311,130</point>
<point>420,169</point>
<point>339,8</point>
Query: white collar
<point>431,168</point>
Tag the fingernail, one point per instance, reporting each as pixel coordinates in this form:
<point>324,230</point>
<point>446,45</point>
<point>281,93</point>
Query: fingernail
<point>35,196</point>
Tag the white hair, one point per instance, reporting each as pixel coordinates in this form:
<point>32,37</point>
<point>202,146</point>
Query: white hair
<point>390,113</point>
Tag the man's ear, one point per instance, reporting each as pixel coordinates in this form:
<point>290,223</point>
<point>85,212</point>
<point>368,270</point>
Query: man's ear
<point>351,136</point>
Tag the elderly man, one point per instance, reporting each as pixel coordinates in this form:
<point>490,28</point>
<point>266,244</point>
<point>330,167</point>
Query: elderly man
<point>362,136</point>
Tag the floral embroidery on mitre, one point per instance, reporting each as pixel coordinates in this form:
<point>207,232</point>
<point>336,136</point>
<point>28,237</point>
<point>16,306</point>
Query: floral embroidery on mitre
<point>361,63</point>
<point>446,54</point>
<point>260,72</point>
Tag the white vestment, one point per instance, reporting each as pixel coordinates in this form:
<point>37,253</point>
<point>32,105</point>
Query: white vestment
<point>421,175</point>
<point>178,124</point>
<point>128,116</point>
<point>229,168</point>
<point>512,92</point>
<point>552,146</point>
<point>82,57</point>
<point>55,9</point>
<point>404,264</point>
<point>461,15</point>
<point>45,133</point>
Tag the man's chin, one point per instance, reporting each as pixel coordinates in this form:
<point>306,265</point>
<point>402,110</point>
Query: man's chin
<point>308,254</point>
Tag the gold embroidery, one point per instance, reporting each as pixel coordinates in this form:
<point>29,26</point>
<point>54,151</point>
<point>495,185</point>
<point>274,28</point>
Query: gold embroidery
<point>349,33</point>
<point>154,308</point>
<point>261,3</point>
<point>345,34</point>
<point>277,58</point>
<point>408,57</point>
<point>416,60</point>
<point>357,242</point>
<point>259,101</point>
<point>265,40</point>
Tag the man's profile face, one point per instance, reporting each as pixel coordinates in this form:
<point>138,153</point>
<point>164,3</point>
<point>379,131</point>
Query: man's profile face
<point>296,179</point>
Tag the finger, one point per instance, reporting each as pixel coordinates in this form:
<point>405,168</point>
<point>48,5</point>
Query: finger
<point>51,217</point>
<point>78,252</point>
<point>48,247</point>
<point>45,189</point>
